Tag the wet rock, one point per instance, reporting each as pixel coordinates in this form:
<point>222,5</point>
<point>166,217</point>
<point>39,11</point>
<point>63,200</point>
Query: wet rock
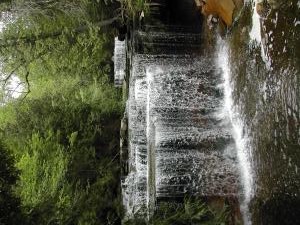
<point>275,4</point>
<point>263,7</point>
<point>280,209</point>
<point>260,8</point>
<point>122,30</point>
<point>124,145</point>
<point>218,8</point>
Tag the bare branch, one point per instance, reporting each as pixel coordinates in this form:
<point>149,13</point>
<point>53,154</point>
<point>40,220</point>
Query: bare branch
<point>23,63</point>
<point>28,85</point>
<point>14,90</point>
<point>5,80</point>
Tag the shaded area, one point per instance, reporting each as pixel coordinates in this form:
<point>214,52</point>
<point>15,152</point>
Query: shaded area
<point>266,81</point>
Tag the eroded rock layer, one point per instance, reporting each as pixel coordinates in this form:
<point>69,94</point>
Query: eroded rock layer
<point>178,144</point>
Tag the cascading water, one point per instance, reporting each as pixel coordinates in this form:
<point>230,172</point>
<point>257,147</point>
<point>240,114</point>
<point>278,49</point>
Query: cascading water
<point>119,62</point>
<point>261,81</point>
<point>216,126</point>
<point>240,134</point>
<point>178,145</point>
<point>174,132</point>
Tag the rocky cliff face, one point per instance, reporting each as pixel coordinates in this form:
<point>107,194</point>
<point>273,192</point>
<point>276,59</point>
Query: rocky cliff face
<point>263,52</point>
<point>178,145</point>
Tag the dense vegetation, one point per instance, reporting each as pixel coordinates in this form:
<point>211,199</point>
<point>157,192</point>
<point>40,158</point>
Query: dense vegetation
<point>191,211</point>
<point>63,128</point>
<point>60,117</point>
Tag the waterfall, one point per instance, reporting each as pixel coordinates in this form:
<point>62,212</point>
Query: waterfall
<point>119,62</point>
<point>239,131</point>
<point>177,143</point>
<point>256,37</point>
<point>223,126</point>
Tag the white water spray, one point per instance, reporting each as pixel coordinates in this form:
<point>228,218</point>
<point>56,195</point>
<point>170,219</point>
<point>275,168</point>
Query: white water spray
<point>258,38</point>
<point>241,140</point>
<point>255,33</point>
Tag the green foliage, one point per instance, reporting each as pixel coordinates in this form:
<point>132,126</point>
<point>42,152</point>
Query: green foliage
<point>66,139</point>
<point>10,212</point>
<point>5,5</point>
<point>133,7</point>
<point>42,32</point>
<point>191,212</point>
<point>41,180</point>
<point>64,129</point>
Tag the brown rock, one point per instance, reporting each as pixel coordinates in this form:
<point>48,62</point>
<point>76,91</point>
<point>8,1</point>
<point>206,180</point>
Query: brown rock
<point>260,8</point>
<point>198,3</point>
<point>226,10</point>
<point>221,8</point>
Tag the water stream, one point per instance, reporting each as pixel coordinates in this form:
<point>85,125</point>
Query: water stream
<point>260,61</point>
<point>240,134</point>
<point>178,142</point>
<point>219,124</point>
<point>174,131</point>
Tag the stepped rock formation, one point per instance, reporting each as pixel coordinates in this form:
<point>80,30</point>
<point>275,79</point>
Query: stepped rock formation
<point>177,143</point>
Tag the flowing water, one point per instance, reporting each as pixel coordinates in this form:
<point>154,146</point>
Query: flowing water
<point>221,124</point>
<point>119,62</point>
<point>240,134</point>
<point>178,142</point>
<point>260,62</point>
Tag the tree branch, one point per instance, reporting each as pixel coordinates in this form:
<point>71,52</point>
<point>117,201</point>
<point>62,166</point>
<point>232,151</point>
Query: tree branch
<point>5,80</point>
<point>33,39</point>
<point>23,62</point>
<point>28,85</point>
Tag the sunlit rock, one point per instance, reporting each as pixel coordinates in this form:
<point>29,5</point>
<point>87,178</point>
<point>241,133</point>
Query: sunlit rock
<point>219,8</point>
